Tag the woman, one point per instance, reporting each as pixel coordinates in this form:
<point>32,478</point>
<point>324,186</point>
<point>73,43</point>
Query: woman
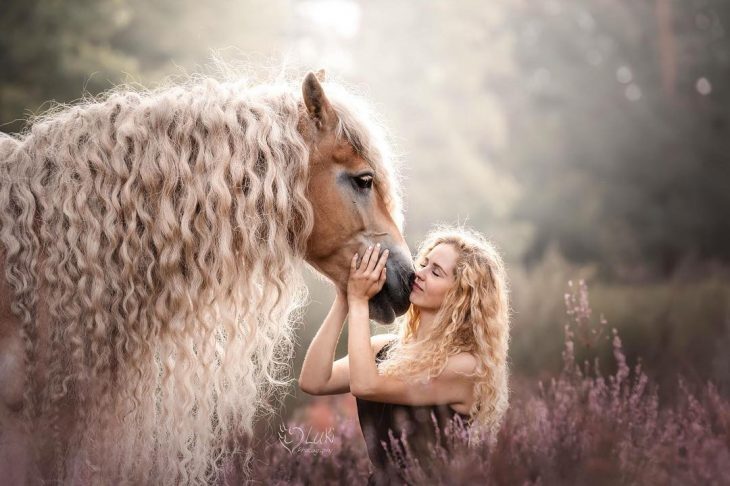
<point>448,357</point>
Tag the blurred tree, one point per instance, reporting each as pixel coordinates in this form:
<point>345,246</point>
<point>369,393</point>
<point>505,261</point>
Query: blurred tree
<point>600,126</point>
<point>51,50</point>
<point>623,135</point>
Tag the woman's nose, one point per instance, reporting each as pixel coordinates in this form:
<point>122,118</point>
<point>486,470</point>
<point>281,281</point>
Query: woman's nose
<point>420,273</point>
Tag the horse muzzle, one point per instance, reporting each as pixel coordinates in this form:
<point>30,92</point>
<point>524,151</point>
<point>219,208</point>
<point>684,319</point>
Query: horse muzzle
<point>393,299</point>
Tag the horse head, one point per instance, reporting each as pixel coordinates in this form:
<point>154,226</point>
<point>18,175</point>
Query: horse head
<point>349,199</point>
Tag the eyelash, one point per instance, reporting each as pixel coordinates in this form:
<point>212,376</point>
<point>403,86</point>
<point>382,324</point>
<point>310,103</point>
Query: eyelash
<point>364,182</point>
<point>434,272</point>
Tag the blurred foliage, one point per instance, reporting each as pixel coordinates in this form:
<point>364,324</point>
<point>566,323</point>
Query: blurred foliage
<point>624,117</point>
<point>677,326</point>
<point>600,126</point>
<point>53,50</point>
<point>586,138</point>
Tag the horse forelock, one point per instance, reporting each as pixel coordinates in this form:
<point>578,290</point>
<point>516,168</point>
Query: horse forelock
<point>365,131</point>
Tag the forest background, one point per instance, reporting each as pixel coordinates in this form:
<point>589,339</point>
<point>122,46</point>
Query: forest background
<point>588,139</point>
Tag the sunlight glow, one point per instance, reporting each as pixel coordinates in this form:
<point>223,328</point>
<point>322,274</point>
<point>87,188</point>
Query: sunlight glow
<point>339,16</point>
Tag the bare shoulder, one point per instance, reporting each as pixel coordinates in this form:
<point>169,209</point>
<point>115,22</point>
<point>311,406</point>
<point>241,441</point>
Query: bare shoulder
<point>461,364</point>
<point>379,340</point>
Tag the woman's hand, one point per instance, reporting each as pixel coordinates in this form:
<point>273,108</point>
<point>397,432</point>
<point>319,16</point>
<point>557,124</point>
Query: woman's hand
<point>368,278</point>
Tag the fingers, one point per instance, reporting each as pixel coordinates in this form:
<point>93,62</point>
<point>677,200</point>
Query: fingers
<point>381,262</point>
<point>372,264</point>
<point>380,281</point>
<point>368,276</point>
<point>366,259</point>
<point>373,259</point>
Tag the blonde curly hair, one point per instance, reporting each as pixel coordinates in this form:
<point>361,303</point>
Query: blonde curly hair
<point>163,233</point>
<point>474,318</point>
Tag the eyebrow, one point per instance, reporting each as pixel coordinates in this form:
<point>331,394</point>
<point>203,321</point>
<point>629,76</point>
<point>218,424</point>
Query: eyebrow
<point>436,265</point>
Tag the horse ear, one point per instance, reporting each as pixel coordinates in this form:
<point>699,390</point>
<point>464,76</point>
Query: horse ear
<point>318,106</point>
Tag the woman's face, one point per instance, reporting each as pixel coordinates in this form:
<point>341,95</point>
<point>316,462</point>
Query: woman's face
<point>434,277</point>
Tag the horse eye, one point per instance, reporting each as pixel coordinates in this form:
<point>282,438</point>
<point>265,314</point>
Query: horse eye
<point>364,181</point>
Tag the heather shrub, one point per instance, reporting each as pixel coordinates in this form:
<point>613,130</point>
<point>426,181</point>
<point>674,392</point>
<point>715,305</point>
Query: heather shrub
<point>677,324</point>
<point>584,426</point>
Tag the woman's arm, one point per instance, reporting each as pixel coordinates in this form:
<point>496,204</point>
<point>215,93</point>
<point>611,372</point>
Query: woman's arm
<point>365,281</point>
<point>364,373</point>
<point>319,375</point>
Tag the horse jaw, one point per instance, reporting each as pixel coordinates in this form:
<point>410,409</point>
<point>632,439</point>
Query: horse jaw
<point>384,314</point>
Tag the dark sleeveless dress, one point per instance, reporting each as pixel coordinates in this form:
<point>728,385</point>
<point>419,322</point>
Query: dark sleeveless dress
<point>377,418</point>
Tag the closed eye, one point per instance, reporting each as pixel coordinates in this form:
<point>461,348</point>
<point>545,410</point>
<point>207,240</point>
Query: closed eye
<point>421,264</point>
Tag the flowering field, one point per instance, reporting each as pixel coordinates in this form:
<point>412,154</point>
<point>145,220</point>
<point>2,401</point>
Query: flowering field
<point>581,427</point>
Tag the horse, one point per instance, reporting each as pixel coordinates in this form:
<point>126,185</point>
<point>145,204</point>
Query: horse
<point>152,248</point>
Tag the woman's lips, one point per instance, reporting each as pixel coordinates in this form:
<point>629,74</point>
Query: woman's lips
<point>415,286</point>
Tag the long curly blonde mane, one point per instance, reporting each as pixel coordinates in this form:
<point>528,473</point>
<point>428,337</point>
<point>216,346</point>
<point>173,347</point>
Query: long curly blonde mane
<point>160,235</point>
<point>474,318</point>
